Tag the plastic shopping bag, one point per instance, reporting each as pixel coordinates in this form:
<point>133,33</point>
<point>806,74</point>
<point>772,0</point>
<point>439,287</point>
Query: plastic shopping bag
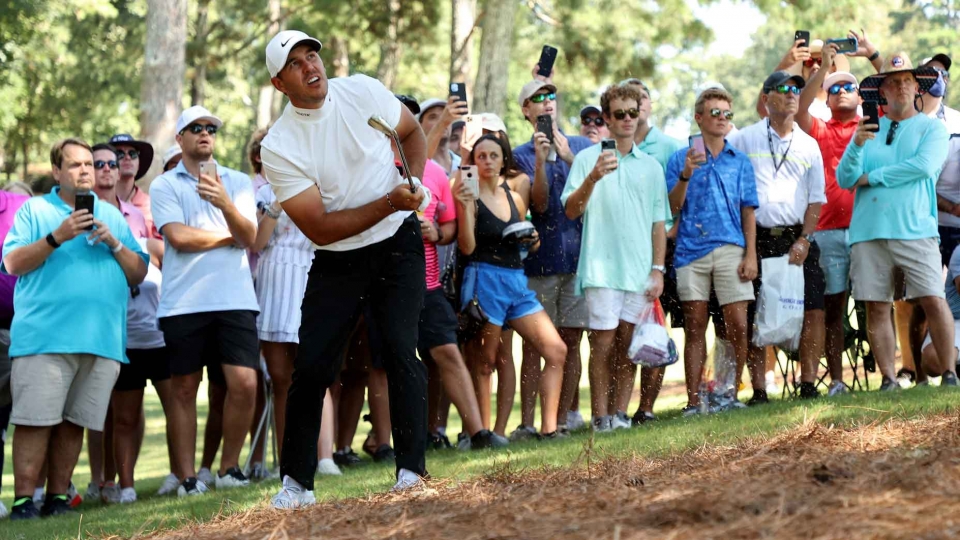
<point>651,345</point>
<point>779,316</point>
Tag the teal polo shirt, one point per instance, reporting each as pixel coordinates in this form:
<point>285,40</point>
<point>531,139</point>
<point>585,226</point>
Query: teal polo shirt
<point>617,247</point>
<point>661,147</point>
<point>76,301</point>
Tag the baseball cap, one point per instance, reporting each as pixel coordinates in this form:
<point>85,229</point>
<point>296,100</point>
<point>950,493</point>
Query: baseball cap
<point>429,104</point>
<point>145,149</point>
<point>532,88</point>
<point>491,122</point>
<point>191,115</point>
<point>780,77</point>
<point>939,57</point>
<point>838,77</point>
<point>590,109</point>
<point>171,153</point>
<point>280,46</point>
<point>410,103</point>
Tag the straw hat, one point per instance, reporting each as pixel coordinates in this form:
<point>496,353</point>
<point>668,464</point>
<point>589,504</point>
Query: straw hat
<point>898,63</point>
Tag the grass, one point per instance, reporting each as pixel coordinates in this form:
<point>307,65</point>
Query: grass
<point>665,438</point>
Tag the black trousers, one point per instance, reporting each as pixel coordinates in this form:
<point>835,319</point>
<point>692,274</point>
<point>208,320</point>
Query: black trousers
<point>389,277</point>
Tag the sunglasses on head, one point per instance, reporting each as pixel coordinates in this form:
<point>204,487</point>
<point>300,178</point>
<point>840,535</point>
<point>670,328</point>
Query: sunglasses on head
<point>99,164</point>
<point>196,129</point>
<point>540,98</point>
<point>846,87</point>
<point>621,114</point>
<point>132,154</point>
<point>787,89</point>
<point>717,112</point>
<point>586,121</point>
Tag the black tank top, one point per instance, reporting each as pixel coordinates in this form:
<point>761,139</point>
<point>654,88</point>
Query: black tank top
<point>492,248</point>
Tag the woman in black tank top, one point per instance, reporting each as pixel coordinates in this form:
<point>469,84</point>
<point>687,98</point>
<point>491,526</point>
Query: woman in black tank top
<point>495,278</point>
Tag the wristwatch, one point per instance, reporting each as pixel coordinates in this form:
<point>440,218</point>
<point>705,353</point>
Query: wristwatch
<point>52,241</point>
<point>808,238</point>
<point>660,268</point>
<point>683,178</point>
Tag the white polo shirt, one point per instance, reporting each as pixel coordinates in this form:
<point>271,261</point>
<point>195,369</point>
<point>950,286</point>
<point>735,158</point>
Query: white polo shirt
<point>783,194</point>
<point>214,280</point>
<point>334,149</point>
<point>948,185</point>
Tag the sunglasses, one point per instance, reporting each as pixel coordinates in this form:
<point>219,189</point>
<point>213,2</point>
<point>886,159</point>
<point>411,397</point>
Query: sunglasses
<point>893,130</point>
<point>196,129</point>
<point>945,73</point>
<point>810,62</point>
<point>132,154</point>
<point>717,112</point>
<point>621,114</point>
<point>846,87</point>
<point>586,121</point>
<point>540,98</point>
<point>99,164</point>
<point>787,89</point>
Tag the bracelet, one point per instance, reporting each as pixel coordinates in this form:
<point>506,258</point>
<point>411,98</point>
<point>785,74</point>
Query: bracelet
<point>270,213</point>
<point>874,56</point>
<point>52,241</point>
<point>683,178</point>
<point>391,203</point>
<point>117,249</point>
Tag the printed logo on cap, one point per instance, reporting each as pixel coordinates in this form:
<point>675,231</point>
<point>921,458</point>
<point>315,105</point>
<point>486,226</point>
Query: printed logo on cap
<point>897,61</point>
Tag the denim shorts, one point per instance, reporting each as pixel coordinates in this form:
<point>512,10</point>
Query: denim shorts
<point>502,292</point>
<point>834,259</point>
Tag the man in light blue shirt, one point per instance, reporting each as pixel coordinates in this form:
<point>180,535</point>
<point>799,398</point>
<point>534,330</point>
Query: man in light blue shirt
<point>622,196</point>
<point>68,335</point>
<point>894,171</point>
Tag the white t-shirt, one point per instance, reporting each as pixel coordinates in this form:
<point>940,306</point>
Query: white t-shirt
<point>287,244</point>
<point>333,148</point>
<point>948,185</point>
<point>143,330</point>
<point>214,280</point>
<point>785,194</point>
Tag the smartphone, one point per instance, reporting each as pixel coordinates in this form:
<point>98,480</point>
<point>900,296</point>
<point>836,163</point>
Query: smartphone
<point>696,142</point>
<point>547,57</point>
<point>545,126</point>
<point>472,130</point>
<point>84,201</point>
<point>804,35</point>
<point>471,178</point>
<point>208,167</point>
<point>871,115</point>
<point>458,89</point>
<point>608,144</point>
<point>845,45</point>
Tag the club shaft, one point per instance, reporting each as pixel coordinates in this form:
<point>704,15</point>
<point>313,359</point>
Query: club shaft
<point>403,160</point>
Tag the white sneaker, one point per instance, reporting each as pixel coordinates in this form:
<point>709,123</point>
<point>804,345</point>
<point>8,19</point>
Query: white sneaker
<point>169,486</point>
<point>192,487</point>
<point>620,420</point>
<point>575,421</point>
<point>3,511</point>
<point>204,475</point>
<point>407,480</point>
<point>837,388</point>
<point>110,493</point>
<point>93,491</point>
<point>602,424</point>
<point>292,496</point>
<point>128,495</point>
<point>233,478</point>
<point>328,467</point>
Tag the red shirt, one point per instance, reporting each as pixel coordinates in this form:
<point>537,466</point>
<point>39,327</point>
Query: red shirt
<point>833,138</point>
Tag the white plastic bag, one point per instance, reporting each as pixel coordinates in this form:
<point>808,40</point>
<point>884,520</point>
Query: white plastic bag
<point>651,345</point>
<point>779,318</point>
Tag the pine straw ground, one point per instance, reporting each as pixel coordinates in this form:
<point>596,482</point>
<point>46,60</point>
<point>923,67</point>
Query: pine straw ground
<point>895,479</point>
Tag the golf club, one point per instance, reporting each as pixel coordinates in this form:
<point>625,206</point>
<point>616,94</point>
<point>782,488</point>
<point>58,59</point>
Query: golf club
<point>381,125</point>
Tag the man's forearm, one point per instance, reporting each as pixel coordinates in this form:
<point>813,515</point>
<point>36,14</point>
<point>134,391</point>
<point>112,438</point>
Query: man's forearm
<point>678,195</point>
<point>944,205</point>
<point>243,231</point>
<point>436,134</point>
<point>134,269</point>
<point>577,202</point>
<point>810,218</point>
<point>659,237</point>
<point>415,150</point>
<point>26,259</point>
<point>188,239</point>
<point>540,193</point>
<point>333,227</point>
<point>748,222</point>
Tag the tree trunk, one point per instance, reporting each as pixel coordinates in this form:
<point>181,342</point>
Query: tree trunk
<point>495,46</point>
<point>390,47</point>
<point>341,56</point>
<point>199,60</point>
<point>268,102</point>
<point>461,42</point>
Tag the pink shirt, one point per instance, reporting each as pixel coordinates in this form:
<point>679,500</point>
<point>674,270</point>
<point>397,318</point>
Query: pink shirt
<point>135,219</point>
<point>141,200</point>
<point>441,210</point>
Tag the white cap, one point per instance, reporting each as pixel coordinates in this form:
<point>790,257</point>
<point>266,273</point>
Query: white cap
<point>491,122</point>
<point>280,46</point>
<point>709,85</point>
<point>532,88</point>
<point>838,77</point>
<point>171,153</point>
<point>193,114</point>
<point>429,104</point>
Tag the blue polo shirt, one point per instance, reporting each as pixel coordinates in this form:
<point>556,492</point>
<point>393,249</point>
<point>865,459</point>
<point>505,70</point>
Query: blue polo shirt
<point>710,215</point>
<point>76,301</point>
<point>559,251</point>
<point>660,146</point>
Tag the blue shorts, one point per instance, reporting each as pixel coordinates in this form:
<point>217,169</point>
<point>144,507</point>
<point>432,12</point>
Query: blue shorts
<point>502,292</point>
<point>834,259</point>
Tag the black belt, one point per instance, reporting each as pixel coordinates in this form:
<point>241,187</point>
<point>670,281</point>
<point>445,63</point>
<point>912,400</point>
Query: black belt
<point>780,230</point>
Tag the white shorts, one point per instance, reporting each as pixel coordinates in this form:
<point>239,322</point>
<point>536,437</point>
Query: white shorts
<point>956,337</point>
<point>607,307</point>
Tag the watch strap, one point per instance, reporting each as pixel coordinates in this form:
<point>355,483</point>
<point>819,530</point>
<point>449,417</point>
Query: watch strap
<point>52,241</point>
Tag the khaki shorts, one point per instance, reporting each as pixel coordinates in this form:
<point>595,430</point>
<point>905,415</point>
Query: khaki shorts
<point>51,388</point>
<point>694,279</point>
<point>558,295</point>
<point>872,267</point>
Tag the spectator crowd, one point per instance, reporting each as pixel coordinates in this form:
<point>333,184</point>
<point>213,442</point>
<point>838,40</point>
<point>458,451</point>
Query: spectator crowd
<point>387,249</point>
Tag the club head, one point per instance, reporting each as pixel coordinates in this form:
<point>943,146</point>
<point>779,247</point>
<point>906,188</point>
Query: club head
<point>378,123</point>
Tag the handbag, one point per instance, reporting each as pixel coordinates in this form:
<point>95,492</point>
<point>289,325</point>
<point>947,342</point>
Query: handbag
<point>471,319</point>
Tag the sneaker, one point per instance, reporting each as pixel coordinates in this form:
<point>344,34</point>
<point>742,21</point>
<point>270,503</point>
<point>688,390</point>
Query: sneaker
<point>499,441</point>
<point>384,453</point>
<point>191,487</point>
<point>808,390</point>
<point>170,485</point>
<point>346,457</point>
<point>948,378</point>
<point>128,495</point>
<point>523,433</point>
<point>552,436</point>
<point>436,441</point>
<point>486,439</point>
<point>110,493</point>
<point>464,443</point>
<point>55,505</point>
<point>759,398</point>
<point>620,420</point>
<point>74,497</point>
<point>906,378</point>
<point>889,385</point>
<point>837,388</point>
<point>206,476</point>
<point>690,410</point>
<point>93,490</point>
<point>575,421</point>
<point>642,417</point>
<point>327,467</point>
<point>24,508</point>
<point>292,496</point>
<point>259,471</point>
<point>604,424</point>
<point>407,480</point>
<point>233,478</point>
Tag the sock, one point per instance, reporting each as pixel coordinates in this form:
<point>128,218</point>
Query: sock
<point>442,431</point>
<point>38,494</point>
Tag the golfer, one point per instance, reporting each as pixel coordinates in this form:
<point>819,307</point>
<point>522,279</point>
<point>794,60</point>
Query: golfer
<point>335,177</point>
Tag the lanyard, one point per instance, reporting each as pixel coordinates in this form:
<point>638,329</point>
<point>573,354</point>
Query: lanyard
<point>773,154</point>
